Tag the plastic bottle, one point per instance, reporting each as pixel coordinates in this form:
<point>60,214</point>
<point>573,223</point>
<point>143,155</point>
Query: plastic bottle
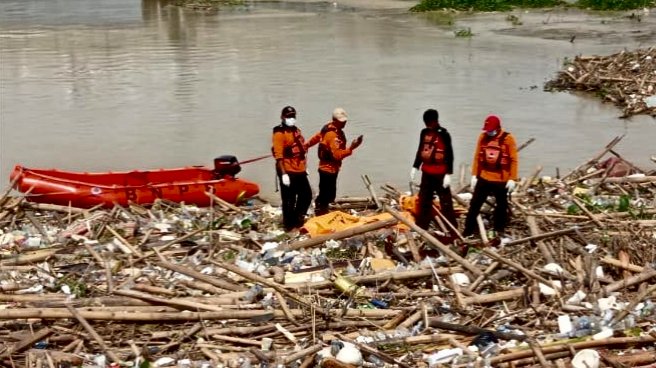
<point>252,294</point>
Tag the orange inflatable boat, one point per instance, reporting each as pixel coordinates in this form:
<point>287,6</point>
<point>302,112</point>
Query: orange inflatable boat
<point>85,190</point>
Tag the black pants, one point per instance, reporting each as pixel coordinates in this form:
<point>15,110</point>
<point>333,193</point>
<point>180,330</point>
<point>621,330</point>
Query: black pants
<point>431,184</point>
<point>296,199</point>
<point>327,192</point>
<point>483,189</point>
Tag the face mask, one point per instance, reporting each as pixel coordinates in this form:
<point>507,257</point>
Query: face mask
<point>290,121</point>
<point>491,133</point>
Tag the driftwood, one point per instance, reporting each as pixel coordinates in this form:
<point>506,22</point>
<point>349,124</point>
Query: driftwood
<point>625,79</point>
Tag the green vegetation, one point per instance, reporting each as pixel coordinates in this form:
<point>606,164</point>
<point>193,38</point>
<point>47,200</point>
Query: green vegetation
<point>615,4</point>
<point>506,5</point>
<point>482,5</point>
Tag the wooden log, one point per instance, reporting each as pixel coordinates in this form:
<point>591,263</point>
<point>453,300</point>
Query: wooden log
<point>200,276</point>
<point>492,254</point>
<point>94,334</point>
<point>369,350</point>
<point>633,280</point>
<point>27,342</point>
<point>370,188</point>
<point>224,203</point>
<point>432,240</point>
<point>436,322</point>
<point>631,306</point>
<point>320,239</point>
<point>596,158</point>
<point>302,353</point>
<point>173,302</point>
<point>167,245</point>
<point>533,227</point>
<point>543,236</point>
<point>383,276</point>
<point>29,257</point>
<point>496,297</point>
<point>61,313</point>
<point>620,264</point>
<point>565,345</point>
<point>261,280</point>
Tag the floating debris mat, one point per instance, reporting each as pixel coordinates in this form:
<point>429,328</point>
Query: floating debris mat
<point>627,79</point>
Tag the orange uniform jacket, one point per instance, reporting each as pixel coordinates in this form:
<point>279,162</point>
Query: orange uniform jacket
<point>506,169</point>
<point>332,141</point>
<point>289,147</point>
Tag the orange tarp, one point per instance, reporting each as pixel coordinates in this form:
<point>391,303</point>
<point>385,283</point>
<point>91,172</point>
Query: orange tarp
<point>338,221</point>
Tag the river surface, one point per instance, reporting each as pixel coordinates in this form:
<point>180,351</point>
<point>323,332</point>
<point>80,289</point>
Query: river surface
<point>122,84</point>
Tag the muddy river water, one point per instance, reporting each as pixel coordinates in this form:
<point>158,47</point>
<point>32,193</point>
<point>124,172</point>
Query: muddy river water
<point>123,84</point>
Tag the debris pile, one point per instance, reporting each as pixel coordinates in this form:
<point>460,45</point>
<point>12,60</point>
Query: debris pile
<point>571,283</point>
<point>627,79</point>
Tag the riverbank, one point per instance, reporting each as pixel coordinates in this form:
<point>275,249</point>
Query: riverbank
<point>171,284</point>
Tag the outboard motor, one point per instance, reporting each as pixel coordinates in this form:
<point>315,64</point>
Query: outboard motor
<point>226,165</point>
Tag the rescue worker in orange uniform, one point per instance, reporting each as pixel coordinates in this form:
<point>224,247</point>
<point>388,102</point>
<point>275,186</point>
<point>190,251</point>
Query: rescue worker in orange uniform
<point>435,156</point>
<point>332,150</point>
<point>494,171</point>
<point>289,149</point>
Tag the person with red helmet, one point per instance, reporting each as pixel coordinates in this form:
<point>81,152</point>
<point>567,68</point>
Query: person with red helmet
<point>494,172</point>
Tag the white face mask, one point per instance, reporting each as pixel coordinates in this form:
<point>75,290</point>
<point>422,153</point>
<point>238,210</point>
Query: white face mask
<point>491,133</point>
<point>290,121</point>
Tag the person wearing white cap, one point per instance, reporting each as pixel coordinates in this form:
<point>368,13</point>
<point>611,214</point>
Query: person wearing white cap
<point>332,150</point>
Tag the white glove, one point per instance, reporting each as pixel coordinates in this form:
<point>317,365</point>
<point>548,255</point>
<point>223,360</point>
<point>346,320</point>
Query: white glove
<point>510,185</point>
<point>447,181</point>
<point>473,182</point>
<point>285,180</point>
<point>413,174</point>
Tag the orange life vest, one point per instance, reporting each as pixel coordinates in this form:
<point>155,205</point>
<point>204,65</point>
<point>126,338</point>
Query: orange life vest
<point>493,156</point>
<point>297,148</point>
<point>324,151</point>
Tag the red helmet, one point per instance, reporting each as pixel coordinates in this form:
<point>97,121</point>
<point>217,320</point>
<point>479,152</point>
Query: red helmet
<point>492,122</point>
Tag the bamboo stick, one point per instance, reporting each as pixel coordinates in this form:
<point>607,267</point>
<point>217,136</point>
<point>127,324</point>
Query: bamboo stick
<point>565,346</point>
<point>93,334</point>
<point>28,341</point>
<point>61,313</point>
<point>200,276</point>
<point>432,240</point>
<point>320,239</point>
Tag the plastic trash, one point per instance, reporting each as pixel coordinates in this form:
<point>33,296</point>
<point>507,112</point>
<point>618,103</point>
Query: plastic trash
<point>565,325</point>
<point>460,279</point>
<point>577,298</point>
<point>164,362</point>
<point>586,358</point>
<point>350,354</point>
<point>553,268</point>
<point>253,293</point>
<point>484,340</point>
<point>443,357</point>
<point>547,290</point>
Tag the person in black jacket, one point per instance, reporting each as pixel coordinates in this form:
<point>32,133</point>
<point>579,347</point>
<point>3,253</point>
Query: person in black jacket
<point>435,157</point>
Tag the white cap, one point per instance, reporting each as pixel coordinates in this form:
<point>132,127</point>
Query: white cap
<point>340,115</point>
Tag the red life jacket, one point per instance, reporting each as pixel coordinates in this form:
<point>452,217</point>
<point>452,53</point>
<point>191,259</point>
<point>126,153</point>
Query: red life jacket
<point>493,156</point>
<point>324,152</point>
<point>432,153</point>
